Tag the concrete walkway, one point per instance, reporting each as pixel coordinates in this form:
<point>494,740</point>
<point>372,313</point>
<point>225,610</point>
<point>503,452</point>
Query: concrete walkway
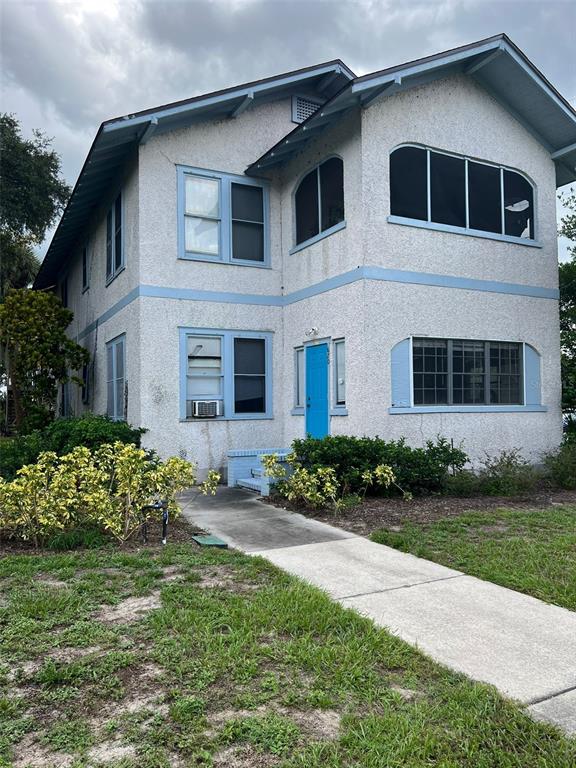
<point>522,646</point>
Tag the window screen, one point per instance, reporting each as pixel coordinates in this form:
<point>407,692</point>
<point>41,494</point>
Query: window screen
<point>319,200</point>
<point>247,223</point>
<point>518,205</point>
<point>204,372</point>
<point>115,378</point>
<point>299,378</point>
<point>484,197</point>
<point>408,183</point>
<point>430,366</point>
<point>340,372</point>
<point>249,375</point>
<point>202,215</point>
<point>447,189</point>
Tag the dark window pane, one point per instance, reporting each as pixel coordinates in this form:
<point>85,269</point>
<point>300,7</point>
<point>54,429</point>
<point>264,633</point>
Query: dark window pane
<point>307,207</point>
<point>518,206</point>
<point>429,366</point>
<point>118,233</point>
<point>331,192</point>
<point>249,356</point>
<point>447,190</point>
<point>247,241</point>
<point>247,203</point>
<point>109,240</point>
<point>484,197</point>
<point>84,268</point>
<point>249,394</point>
<point>408,185</point>
<point>505,370</point>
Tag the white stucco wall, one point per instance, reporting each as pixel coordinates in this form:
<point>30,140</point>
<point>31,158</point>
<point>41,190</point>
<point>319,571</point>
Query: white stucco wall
<point>455,115</point>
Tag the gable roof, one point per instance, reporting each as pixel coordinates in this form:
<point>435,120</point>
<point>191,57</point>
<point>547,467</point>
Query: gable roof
<point>117,138</point>
<point>496,63</point>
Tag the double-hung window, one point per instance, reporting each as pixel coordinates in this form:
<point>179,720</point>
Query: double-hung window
<point>463,372</point>
<point>222,217</point>
<point>444,191</point>
<point>114,240</point>
<point>230,367</point>
<point>319,201</point>
<point>116,378</point>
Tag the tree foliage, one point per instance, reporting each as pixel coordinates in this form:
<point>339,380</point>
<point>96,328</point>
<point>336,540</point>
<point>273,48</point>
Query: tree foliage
<point>567,272</point>
<point>33,195</point>
<point>38,353</point>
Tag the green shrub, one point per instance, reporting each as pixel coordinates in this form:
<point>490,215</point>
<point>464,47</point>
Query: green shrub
<point>561,464</point>
<point>106,489</point>
<point>61,437</point>
<point>506,474</point>
<point>416,470</point>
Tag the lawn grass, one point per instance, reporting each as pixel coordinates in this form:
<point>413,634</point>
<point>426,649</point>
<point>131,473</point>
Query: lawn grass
<point>532,551</point>
<point>230,663</point>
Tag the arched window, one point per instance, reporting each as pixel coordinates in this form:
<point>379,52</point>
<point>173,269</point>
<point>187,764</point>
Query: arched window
<point>319,199</point>
<point>457,192</point>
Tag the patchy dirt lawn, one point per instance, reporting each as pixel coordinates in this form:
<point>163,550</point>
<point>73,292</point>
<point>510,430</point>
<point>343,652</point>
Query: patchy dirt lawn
<point>177,657</point>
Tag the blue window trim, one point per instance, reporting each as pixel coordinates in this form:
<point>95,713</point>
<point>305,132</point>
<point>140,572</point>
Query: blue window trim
<point>110,277</point>
<point>113,343</point>
<point>317,238</point>
<point>227,336</point>
<point>402,384</point>
<point>338,409</point>
<point>225,240</point>
<point>462,231</point>
<point>438,227</point>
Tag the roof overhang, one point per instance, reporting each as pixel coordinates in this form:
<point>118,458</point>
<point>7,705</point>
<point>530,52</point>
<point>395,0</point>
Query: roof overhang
<point>118,138</point>
<point>496,63</point>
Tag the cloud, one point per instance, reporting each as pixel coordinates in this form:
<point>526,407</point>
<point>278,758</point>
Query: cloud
<point>68,66</point>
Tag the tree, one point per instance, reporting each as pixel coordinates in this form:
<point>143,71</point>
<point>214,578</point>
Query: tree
<point>33,195</point>
<point>38,353</point>
<point>567,272</point>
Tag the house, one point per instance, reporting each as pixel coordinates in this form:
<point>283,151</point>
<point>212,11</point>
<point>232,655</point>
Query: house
<point>328,254</point>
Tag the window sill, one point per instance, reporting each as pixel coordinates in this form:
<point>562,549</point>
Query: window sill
<point>86,288</point>
<point>188,256</point>
<point>298,411</point>
<point>234,417</point>
<point>339,411</point>
<point>115,275</point>
<point>462,231</point>
<point>469,409</point>
<point>317,238</point>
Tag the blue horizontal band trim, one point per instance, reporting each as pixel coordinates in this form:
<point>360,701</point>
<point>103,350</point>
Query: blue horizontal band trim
<point>347,278</point>
<point>471,409</point>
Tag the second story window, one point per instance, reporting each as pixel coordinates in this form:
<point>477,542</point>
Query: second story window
<point>319,200</point>
<point>453,191</point>
<point>114,240</point>
<point>223,217</point>
<point>85,268</point>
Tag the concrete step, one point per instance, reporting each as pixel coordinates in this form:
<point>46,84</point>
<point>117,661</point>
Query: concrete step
<point>251,483</point>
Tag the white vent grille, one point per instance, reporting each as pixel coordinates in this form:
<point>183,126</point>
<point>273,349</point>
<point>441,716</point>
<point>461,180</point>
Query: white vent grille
<point>302,108</point>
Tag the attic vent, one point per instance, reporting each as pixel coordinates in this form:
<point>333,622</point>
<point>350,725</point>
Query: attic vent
<point>303,107</point>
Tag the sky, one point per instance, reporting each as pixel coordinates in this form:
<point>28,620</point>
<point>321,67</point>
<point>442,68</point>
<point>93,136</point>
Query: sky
<point>67,66</point>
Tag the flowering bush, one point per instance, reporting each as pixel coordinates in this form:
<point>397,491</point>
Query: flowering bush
<point>108,488</point>
<point>318,487</point>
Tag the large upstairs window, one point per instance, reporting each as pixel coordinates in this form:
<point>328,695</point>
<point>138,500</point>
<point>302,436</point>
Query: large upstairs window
<point>319,200</point>
<point>449,192</point>
<point>222,218</point>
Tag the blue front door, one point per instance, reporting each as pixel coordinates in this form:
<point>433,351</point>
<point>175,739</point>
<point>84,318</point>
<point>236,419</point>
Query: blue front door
<point>317,390</point>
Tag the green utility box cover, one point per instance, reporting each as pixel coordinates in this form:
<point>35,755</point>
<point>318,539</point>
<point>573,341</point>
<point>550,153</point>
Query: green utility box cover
<point>210,541</point>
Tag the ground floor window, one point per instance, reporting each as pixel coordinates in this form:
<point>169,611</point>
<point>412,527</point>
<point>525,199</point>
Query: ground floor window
<point>464,372</point>
<point>225,374</point>
<point>340,372</point>
<point>299,381</point>
<point>116,377</point>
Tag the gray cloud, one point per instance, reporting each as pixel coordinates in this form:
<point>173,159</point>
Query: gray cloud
<point>68,66</point>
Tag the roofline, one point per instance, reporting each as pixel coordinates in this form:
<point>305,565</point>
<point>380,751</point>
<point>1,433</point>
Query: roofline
<point>335,65</point>
<point>390,74</point>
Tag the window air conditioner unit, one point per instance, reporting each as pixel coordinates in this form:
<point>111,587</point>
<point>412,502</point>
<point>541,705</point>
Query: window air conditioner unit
<point>206,409</point>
